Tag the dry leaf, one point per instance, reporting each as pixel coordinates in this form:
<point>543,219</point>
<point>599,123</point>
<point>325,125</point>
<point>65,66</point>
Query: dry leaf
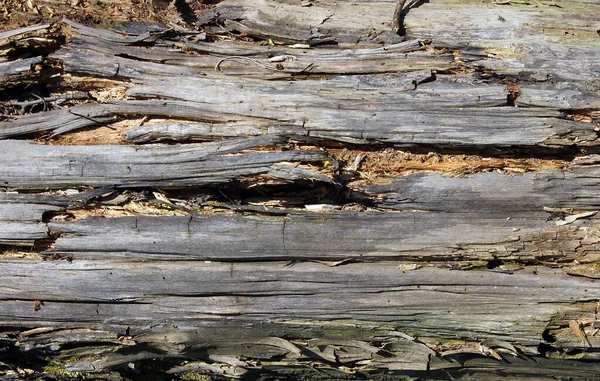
<point>494,354</point>
<point>582,118</point>
<point>501,346</point>
<point>489,352</point>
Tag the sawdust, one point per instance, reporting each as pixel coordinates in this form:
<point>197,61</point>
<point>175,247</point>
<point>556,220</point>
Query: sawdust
<point>144,208</point>
<point>109,93</point>
<point>111,134</point>
<point>393,162</point>
<point>16,254</point>
<point>132,208</point>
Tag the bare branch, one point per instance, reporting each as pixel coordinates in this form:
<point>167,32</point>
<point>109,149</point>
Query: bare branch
<point>397,16</point>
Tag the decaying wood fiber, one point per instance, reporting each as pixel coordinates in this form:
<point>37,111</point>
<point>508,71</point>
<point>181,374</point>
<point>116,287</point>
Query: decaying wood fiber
<point>176,200</point>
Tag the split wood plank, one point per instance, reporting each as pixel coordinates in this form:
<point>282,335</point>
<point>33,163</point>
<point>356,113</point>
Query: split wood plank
<point>37,166</point>
<point>436,114</point>
<point>10,68</point>
<point>21,218</point>
<point>142,295</point>
<point>492,192</point>
<point>412,236</point>
<point>94,56</point>
<point>230,310</point>
<point>521,38</point>
<point>380,109</point>
<point>365,110</point>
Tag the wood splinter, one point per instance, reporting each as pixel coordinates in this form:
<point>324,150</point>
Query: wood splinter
<point>396,21</point>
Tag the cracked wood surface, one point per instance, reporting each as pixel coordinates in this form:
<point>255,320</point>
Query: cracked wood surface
<point>418,106</point>
<point>241,247</point>
<point>37,166</point>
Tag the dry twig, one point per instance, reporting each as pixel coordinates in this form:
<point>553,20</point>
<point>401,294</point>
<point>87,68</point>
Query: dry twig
<point>396,21</point>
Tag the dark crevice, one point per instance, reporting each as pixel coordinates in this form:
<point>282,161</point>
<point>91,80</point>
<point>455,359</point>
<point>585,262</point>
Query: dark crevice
<point>513,94</point>
<point>186,12</point>
<point>514,152</point>
<point>494,264</point>
<point>545,349</point>
<point>548,337</point>
<point>296,194</point>
<point>67,301</point>
<point>34,48</point>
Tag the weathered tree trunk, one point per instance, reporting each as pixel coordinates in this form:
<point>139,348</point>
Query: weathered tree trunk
<point>304,194</point>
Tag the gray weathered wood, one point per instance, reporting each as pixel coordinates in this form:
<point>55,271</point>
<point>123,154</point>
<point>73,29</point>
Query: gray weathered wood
<point>492,192</point>
<point>409,236</point>
<point>225,294</point>
<point>383,109</point>
<point>18,67</point>
<point>21,218</point>
<point>442,114</point>
<point>92,56</point>
<point>37,166</point>
<point>477,277</point>
<point>522,39</point>
<point>10,35</point>
<point>485,217</point>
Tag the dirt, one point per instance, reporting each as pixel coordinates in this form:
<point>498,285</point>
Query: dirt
<point>19,13</point>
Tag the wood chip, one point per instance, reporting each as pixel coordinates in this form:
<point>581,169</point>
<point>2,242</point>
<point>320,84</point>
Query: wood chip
<point>578,331</point>
<point>573,218</point>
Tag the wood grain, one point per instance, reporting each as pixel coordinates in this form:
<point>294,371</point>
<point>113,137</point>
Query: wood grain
<point>220,237</point>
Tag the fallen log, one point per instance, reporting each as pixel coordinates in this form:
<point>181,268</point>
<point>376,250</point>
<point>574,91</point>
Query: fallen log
<point>322,197</point>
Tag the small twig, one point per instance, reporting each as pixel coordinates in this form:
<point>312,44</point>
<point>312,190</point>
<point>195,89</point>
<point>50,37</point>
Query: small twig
<point>230,200</point>
<point>278,69</point>
<point>226,31</point>
<point>46,100</point>
<point>356,164</point>
<point>86,117</point>
<point>308,68</point>
<point>242,58</point>
<point>42,100</point>
<point>397,19</point>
